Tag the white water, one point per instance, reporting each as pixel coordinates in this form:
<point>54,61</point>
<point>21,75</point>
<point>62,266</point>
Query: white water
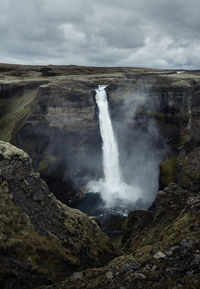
<point>110,150</point>
<point>112,188</point>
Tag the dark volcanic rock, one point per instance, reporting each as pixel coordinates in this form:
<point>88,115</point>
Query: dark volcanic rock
<point>60,129</point>
<point>81,238</point>
<point>161,248</point>
<point>62,137</point>
<point>27,259</point>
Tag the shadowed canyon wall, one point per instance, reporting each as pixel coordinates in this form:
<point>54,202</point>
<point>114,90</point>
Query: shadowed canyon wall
<point>57,122</point>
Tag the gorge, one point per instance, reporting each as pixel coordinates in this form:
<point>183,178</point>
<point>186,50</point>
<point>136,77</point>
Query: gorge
<point>114,191</point>
<point>50,115</point>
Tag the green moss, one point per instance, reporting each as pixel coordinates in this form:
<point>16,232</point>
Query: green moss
<point>13,113</point>
<point>190,177</point>
<point>163,81</point>
<point>185,180</point>
<point>168,170</point>
<point>34,254</point>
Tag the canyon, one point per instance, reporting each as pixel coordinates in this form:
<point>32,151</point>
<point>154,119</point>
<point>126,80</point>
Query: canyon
<point>49,113</point>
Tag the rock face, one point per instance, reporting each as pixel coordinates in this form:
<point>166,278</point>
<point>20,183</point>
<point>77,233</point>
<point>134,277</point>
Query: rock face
<point>62,133</point>
<point>161,249</point>
<point>78,239</point>
<point>51,114</point>
<point>42,241</point>
<point>62,137</point>
<point>27,259</point>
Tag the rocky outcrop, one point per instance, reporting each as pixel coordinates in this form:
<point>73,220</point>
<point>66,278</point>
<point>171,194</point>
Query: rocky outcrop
<point>80,240</point>
<point>183,165</point>
<point>161,248</point>
<point>188,169</point>
<point>27,259</point>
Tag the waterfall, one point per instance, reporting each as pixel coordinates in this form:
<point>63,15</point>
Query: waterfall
<point>111,168</point>
<point>112,188</point>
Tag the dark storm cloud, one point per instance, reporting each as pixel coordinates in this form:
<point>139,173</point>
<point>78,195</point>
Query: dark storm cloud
<point>155,33</point>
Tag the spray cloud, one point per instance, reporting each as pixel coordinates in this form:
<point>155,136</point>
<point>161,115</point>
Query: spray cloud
<point>131,177</point>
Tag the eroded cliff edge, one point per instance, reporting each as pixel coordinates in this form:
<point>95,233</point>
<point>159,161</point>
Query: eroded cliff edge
<point>41,239</point>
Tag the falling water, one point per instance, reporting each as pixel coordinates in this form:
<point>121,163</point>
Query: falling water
<point>112,188</point>
<point>110,150</point>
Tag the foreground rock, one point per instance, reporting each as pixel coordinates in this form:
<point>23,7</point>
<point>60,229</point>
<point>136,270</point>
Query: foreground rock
<point>26,258</point>
<point>161,248</point>
<point>28,206</point>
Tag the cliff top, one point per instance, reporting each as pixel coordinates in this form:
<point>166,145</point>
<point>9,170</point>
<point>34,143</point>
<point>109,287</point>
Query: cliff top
<point>7,151</point>
<point>16,72</point>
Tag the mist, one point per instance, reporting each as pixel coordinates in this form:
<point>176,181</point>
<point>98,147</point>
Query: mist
<point>140,153</point>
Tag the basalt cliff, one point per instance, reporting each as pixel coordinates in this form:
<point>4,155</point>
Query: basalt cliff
<point>49,116</point>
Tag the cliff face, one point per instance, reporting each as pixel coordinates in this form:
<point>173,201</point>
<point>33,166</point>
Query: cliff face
<point>35,226</point>
<point>61,135</point>
<point>51,114</point>
<point>42,241</point>
<point>27,258</point>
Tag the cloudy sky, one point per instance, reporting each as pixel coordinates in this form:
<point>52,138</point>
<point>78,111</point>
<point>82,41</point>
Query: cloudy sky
<point>142,33</point>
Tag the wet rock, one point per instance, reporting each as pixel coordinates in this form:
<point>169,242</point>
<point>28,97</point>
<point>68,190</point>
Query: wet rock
<point>137,221</point>
<point>112,223</point>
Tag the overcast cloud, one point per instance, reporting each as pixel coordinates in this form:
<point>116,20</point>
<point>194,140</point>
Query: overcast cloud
<point>142,33</point>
